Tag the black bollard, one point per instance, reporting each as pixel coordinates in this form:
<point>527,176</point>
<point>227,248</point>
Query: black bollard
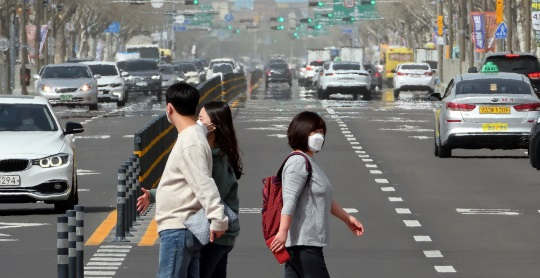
<point>79,223</point>
<point>62,246</point>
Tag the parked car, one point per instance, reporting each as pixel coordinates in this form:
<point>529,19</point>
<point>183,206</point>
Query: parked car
<point>169,75</point>
<point>494,110</point>
<point>190,71</point>
<point>111,85</point>
<point>71,84</point>
<point>219,69</point>
<point>344,78</point>
<point>518,62</point>
<point>142,75</point>
<point>413,77</point>
<point>376,77</point>
<point>37,156</point>
<point>278,72</point>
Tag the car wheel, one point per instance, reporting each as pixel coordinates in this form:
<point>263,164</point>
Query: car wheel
<point>444,151</point>
<point>367,95</point>
<point>436,149</point>
<point>534,152</point>
<point>430,91</point>
<point>93,107</point>
<point>355,96</point>
<point>121,103</point>
<point>72,200</point>
<point>396,93</point>
<point>320,94</point>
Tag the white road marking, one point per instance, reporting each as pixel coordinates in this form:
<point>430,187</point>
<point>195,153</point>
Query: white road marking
<point>403,211</point>
<point>367,160</point>
<point>7,240</point>
<point>278,135</point>
<point>128,136</point>
<point>412,223</point>
<point>99,273</point>
<point>8,225</point>
<point>116,246</point>
<point>357,147</point>
<point>488,211</point>
<point>345,131</point>
<point>388,189</point>
<point>83,190</point>
<point>350,210</point>
<point>433,254</point>
<point>101,267</point>
<point>360,152</point>
<point>258,210</point>
<point>395,199</point>
<point>109,255</point>
<point>82,172</point>
<point>107,259</point>
<point>102,250</point>
<point>375,172</point>
<point>371,165</point>
<point>363,155</point>
<point>422,238</point>
<point>354,143</point>
<point>105,263</point>
<point>445,269</point>
<point>421,137</point>
<point>93,137</point>
<point>351,139</point>
<point>330,110</point>
<point>381,180</point>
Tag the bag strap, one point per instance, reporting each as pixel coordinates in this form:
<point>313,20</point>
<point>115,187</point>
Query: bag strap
<point>308,165</point>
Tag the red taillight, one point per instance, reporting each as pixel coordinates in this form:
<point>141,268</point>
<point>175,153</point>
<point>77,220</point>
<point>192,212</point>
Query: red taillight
<point>401,73</point>
<point>534,75</point>
<point>378,74</point>
<point>329,74</point>
<point>511,55</point>
<point>309,68</point>
<point>526,107</point>
<point>268,73</point>
<point>460,107</point>
<point>428,73</point>
<point>453,121</point>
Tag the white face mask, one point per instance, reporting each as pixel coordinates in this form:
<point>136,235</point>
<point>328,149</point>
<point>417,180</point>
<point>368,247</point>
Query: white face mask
<point>205,127</point>
<point>315,142</point>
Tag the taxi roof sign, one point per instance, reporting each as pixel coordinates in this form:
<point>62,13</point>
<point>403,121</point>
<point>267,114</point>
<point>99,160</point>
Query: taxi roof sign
<point>490,67</point>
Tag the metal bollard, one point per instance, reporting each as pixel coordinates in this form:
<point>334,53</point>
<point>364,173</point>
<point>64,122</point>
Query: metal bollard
<point>129,197</point>
<point>79,223</point>
<point>121,206</point>
<point>72,243</point>
<point>62,246</point>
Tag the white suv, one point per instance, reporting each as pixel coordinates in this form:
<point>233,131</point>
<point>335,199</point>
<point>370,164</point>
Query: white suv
<point>344,78</point>
<point>111,85</point>
<point>413,77</point>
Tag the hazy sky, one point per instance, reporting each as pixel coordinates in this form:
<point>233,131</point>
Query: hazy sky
<point>248,4</point>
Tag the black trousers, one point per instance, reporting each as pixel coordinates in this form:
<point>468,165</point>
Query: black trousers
<point>213,262</point>
<point>306,262</point>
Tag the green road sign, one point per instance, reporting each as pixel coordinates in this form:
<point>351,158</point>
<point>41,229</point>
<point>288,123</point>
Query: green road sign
<point>350,8</point>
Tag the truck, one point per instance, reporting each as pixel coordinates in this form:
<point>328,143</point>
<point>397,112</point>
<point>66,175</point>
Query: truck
<point>352,54</point>
<point>423,55</point>
<point>393,56</point>
<point>318,55</point>
<point>145,46</point>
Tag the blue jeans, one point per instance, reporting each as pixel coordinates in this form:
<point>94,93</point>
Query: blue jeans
<point>179,254</point>
<point>213,263</point>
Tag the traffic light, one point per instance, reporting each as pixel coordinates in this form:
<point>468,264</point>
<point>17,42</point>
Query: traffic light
<point>229,27</point>
<point>277,27</point>
<point>368,2</point>
<point>306,20</point>
<point>237,31</point>
<point>280,19</point>
<point>318,26</point>
<point>329,15</point>
<point>316,3</point>
<point>191,2</point>
<point>350,19</point>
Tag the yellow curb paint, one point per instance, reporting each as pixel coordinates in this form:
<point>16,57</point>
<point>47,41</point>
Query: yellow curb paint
<point>103,230</point>
<point>150,236</point>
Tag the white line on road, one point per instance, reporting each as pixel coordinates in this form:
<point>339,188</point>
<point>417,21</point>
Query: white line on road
<point>82,172</point>
<point>422,238</point>
<point>445,269</point>
<point>102,250</point>
<point>107,259</point>
<point>371,165</point>
<point>375,172</point>
<point>116,246</point>
<point>93,137</point>
<point>433,254</point>
<point>354,143</point>
<point>395,199</point>
<point>99,273</point>
<point>381,180</point>
<point>105,263</point>
<point>388,189</point>
<point>487,211</point>
<point>367,160</point>
<point>412,223</point>
<point>357,147</point>
<point>403,211</point>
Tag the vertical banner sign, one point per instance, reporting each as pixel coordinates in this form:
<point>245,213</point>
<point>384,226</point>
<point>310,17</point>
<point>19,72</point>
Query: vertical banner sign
<point>477,19</point>
<point>44,30</point>
<point>499,10</point>
<point>490,27</point>
<point>440,25</point>
<point>536,19</point>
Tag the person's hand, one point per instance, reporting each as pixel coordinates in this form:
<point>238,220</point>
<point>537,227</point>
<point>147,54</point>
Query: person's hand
<point>279,242</point>
<point>215,234</point>
<point>143,201</point>
<point>356,227</point>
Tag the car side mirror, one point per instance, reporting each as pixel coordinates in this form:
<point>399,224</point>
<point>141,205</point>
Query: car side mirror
<point>97,76</point>
<point>72,128</point>
<point>434,70</point>
<point>370,71</point>
<point>124,73</point>
<point>36,76</point>
<point>472,70</point>
<point>434,97</point>
<point>393,71</point>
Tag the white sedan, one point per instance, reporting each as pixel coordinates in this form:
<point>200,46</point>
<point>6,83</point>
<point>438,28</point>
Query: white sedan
<point>37,156</point>
<point>344,78</point>
<point>413,77</point>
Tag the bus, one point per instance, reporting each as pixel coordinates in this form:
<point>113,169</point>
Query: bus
<point>395,56</point>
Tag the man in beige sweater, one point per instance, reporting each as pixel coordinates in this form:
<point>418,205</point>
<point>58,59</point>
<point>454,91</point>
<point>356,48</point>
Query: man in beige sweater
<point>185,187</point>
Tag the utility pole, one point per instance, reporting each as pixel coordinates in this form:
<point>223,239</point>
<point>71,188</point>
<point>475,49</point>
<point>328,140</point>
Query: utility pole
<point>471,46</point>
<point>508,14</point>
<point>7,32</point>
<point>24,48</point>
<point>39,10</point>
<point>462,31</point>
<point>440,46</point>
<point>451,38</point>
<point>527,11</point>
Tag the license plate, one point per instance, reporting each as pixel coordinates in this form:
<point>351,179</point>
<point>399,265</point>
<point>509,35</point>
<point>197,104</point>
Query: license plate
<point>347,80</point>
<point>66,97</point>
<point>494,110</point>
<point>495,127</point>
<point>10,180</point>
<point>141,84</point>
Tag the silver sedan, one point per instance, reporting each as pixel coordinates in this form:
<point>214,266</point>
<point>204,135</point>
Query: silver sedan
<point>485,110</point>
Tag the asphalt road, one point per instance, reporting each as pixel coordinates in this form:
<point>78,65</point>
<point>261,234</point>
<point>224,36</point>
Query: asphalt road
<point>473,215</point>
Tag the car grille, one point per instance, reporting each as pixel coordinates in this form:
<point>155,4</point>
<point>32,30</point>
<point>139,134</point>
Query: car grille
<point>138,79</point>
<point>65,90</point>
<point>13,165</point>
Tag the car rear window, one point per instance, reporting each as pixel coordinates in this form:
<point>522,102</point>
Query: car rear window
<point>415,67</point>
<point>223,68</point>
<point>167,69</point>
<point>104,70</point>
<point>279,66</point>
<point>493,86</point>
<point>346,67</point>
<point>186,67</point>
<point>517,63</point>
<point>316,63</point>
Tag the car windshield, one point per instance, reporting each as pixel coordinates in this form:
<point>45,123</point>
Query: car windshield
<point>167,69</point>
<point>104,70</point>
<point>186,67</point>
<point>146,52</point>
<point>415,67</point>
<point>516,63</point>
<point>67,72</point>
<point>346,67</point>
<point>223,68</point>
<point>493,86</point>
<point>141,66</point>
<point>26,117</point>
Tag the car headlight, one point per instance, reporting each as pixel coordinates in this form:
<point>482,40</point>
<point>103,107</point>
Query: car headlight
<point>538,120</point>
<point>52,161</point>
<point>46,89</point>
<point>179,79</point>
<point>156,77</point>
<point>85,87</point>
<point>128,78</point>
<point>115,85</point>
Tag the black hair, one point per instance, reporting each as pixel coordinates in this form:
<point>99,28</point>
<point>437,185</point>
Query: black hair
<point>183,97</point>
<point>225,136</point>
<point>301,126</point>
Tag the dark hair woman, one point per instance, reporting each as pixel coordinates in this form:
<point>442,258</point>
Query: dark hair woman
<point>307,204</point>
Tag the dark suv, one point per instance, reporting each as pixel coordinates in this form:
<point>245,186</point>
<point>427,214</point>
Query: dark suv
<point>142,75</point>
<point>278,72</point>
<point>518,62</point>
